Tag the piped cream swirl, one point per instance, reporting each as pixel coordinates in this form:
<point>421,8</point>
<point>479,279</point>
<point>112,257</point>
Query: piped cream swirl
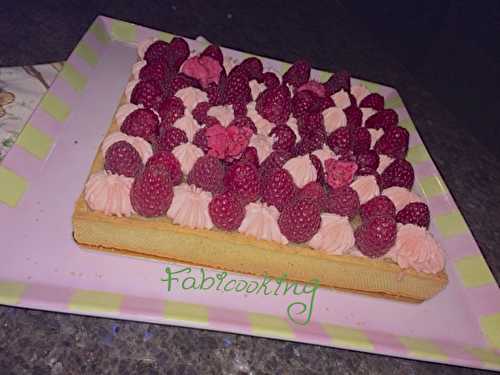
<point>335,235</point>
<point>187,154</point>
<point>375,135</point>
<point>263,126</point>
<point>324,154</point>
<point>256,88</point>
<point>334,118</point>
<point>401,196</point>
<point>263,145</point>
<point>129,88</point>
<point>189,125</point>
<point>366,187</point>
<point>359,92</point>
<point>341,99</point>
<point>366,113</point>
<point>191,96</point>
<point>384,162</point>
<point>109,193</point>
<point>223,113</point>
<point>137,67</point>
<point>190,207</point>
<point>416,248</point>
<point>261,222</point>
<point>301,169</point>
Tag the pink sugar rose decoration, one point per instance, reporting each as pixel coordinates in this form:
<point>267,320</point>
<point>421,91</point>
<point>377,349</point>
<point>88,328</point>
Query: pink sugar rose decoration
<point>339,173</point>
<point>315,87</point>
<point>205,69</point>
<point>238,140</point>
<point>217,140</point>
<point>227,142</point>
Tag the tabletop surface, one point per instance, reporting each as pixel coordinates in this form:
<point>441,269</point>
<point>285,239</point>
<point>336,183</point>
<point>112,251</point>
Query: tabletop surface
<point>331,38</point>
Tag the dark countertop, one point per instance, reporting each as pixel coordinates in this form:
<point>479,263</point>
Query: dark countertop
<point>33,342</point>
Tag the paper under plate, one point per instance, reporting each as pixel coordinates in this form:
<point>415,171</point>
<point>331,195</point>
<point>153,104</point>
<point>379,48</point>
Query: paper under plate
<point>43,268</point>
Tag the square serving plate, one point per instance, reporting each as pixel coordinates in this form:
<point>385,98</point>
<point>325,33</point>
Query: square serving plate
<point>43,268</point>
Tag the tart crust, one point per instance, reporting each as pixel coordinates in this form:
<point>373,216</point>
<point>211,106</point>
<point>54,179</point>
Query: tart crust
<point>159,238</point>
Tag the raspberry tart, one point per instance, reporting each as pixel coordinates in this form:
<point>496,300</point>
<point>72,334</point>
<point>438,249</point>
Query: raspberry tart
<point>241,169</point>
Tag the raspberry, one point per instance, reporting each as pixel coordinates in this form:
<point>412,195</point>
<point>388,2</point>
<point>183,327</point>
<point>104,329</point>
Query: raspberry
<point>313,86</point>
<point>242,122</point>
<point>340,140</point>
<point>200,112</point>
<point>226,211</point>
<point>170,110</point>
<point>271,80</point>
<point>275,104</point>
<point>156,51</point>
<point>320,172</point>
<point>325,103</point>
<point>156,70</point>
<point>312,142</point>
<point>148,93</point>
<point>238,69</point>
<point>151,193</point>
<point>239,109</point>
<point>383,119</point>
<point>300,220</point>
<point>275,160</point>
<point>141,123</point>
<point>354,116</point>
<point>298,73</point>
<point>368,159</point>
<point>367,171</point>
<point>214,52</point>
<point>380,205</point>
<point>416,213</point>
<point>338,81</point>
<point>311,123</point>
<point>242,179</point>
<point>348,156</point>
<point>237,89</point>
<point>180,81</point>
<point>212,121</point>
<point>178,52</point>
<point>170,138</point>
<point>208,174</point>
<point>315,192</point>
<point>394,142</point>
<point>343,201</point>
<point>278,188</point>
<point>374,100</point>
<point>312,130</point>
<point>123,159</point>
<point>398,173</point>
<point>361,140</point>
<point>214,93</point>
<point>167,160</point>
<point>250,156</point>
<point>375,237</point>
<point>284,137</point>
<point>200,139</point>
<point>253,68</point>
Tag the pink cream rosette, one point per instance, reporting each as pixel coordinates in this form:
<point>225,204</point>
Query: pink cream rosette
<point>416,248</point>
